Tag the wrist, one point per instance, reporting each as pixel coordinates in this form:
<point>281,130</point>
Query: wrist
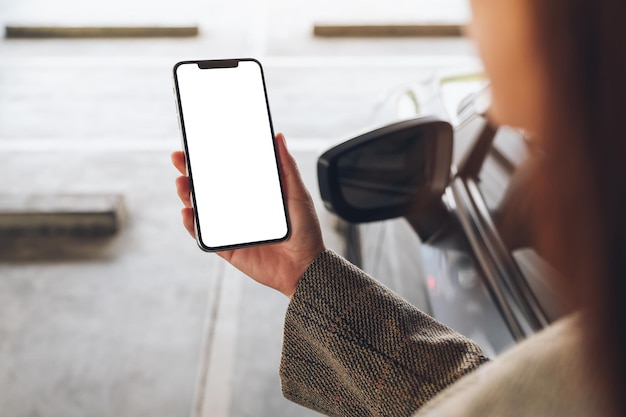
<point>290,290</point>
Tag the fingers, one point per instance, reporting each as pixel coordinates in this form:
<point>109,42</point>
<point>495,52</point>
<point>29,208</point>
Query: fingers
<point>178,159</point>
<point>188,221</point>
<point>183,190</point>
<point>182,183</point>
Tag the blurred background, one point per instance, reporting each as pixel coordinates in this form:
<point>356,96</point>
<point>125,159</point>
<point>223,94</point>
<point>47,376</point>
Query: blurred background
<point>107,307</point>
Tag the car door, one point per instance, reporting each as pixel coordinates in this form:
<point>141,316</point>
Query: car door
<point>479,274</point>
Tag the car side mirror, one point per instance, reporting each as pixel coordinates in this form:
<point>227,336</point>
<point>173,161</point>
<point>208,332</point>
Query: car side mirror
<point>394,171</point>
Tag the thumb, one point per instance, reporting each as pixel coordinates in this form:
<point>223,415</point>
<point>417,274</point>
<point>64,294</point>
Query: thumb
<point>291,174</point>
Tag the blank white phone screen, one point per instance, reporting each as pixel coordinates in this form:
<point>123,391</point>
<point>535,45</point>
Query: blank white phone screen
<point>230,150</point>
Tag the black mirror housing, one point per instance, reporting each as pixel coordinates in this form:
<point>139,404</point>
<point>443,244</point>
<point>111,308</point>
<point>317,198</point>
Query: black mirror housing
<point>389,172</point>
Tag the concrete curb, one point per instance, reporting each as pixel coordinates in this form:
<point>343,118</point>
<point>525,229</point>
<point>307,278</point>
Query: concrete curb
<point>61,215</point>
<point>388,31</point>
<point>46,32</point>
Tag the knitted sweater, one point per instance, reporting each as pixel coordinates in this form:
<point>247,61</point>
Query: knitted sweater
<point>353,348</point>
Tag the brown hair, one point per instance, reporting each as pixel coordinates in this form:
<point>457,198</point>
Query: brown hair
<point>582,210</point>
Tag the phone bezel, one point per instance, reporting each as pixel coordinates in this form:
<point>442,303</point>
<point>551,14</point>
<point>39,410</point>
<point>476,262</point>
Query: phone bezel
<point>209,64</point>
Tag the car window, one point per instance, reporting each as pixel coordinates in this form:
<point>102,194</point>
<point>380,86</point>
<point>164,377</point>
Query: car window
<point>508,154</point>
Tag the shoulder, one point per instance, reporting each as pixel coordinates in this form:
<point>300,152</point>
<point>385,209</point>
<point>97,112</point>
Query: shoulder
<point>542,376</point>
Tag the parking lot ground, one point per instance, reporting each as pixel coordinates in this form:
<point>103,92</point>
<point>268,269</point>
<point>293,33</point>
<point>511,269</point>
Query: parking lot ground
<point>128,325</point>
<point>144,323</point>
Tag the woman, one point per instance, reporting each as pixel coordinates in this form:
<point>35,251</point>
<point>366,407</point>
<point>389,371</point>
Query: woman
<point>557,70</point>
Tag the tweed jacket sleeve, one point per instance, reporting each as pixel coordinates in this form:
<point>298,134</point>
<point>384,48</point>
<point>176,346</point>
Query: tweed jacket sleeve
<point>353,348</point>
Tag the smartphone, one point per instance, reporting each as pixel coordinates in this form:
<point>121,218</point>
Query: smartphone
<point>232,161</point>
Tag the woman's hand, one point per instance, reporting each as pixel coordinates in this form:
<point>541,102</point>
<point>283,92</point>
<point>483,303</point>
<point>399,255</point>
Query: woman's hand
<point>279,265</point>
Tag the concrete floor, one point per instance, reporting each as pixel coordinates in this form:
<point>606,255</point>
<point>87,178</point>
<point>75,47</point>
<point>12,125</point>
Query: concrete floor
<point>130,325</point>
<point>144,323</point>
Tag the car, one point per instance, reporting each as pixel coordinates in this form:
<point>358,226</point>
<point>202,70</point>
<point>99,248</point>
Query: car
<point>440,205</point>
